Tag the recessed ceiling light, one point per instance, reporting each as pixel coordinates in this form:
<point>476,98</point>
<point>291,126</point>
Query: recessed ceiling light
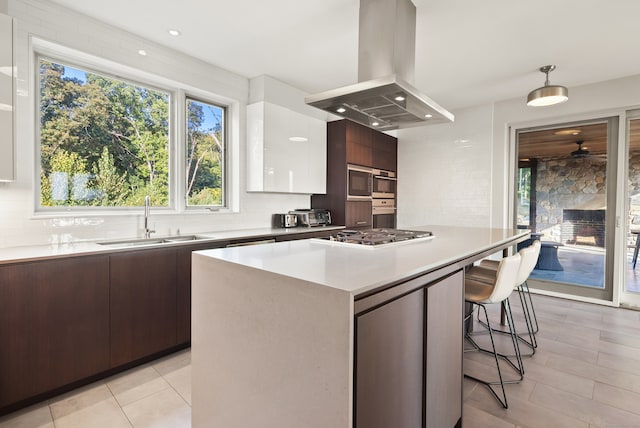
<point>298,139</point>
<point>375,123</point>
<point>428,116</point>
<point>341,109</point>
<point>142,52</point>
<point>399,98</point>
<point>174,32</point>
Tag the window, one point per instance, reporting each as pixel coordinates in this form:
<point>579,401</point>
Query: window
<point>205,154</point>
<point>105,143</point>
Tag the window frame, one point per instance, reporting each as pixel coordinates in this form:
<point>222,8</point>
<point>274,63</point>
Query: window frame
<point>186,97</point>
<point>178,95</point>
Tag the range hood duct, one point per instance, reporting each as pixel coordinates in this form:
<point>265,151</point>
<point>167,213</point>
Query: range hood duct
<point>383,98</point>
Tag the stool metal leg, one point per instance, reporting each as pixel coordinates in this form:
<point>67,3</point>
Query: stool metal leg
<point>490,385</point>
<point>532,342</point>
<point>525,286</point>
<point>518,366</point>
<point>514,339</point>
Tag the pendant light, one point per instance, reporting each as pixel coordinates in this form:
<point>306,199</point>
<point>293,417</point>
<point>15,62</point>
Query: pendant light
<point>547,95</point>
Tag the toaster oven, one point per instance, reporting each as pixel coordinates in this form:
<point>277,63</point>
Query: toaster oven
<point>312,217</point>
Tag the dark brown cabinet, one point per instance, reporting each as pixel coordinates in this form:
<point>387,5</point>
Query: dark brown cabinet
<point>68,321</point>
<point>408,357</point>
<point>143,304</point>
<point>318,232</point>
<point>384,152</point>
<point>54,325</point>
<point>351,143</point>
<point>359,143</point>
<point>183,288</point>
<point>358,214</point>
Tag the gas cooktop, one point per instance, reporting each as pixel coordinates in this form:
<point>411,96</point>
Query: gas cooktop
<point>375,238</point>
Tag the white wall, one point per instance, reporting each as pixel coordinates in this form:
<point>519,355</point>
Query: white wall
<point>444,171</point>
<point>19,225</point>
<point>443,182</point>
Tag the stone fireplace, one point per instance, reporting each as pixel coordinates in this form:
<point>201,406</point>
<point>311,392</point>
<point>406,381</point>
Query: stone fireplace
<point>583,227</point>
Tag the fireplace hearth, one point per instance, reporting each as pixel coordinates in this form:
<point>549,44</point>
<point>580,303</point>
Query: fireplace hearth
<point>583,227</point>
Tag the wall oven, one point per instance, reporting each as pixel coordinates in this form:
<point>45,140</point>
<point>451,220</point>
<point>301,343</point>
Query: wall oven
<point>384,213</point>
<point>384,184</point>
<point>359,183</point>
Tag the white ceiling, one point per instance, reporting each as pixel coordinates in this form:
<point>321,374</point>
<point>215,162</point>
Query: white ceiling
<point>468,52</point>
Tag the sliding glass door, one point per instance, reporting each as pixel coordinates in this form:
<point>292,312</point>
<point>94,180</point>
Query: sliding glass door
<point>631,294</point>
<point>565,180</point>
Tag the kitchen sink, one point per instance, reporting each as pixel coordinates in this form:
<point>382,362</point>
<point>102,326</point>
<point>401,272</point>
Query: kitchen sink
<point>184,238</point>
<point>153,241</point>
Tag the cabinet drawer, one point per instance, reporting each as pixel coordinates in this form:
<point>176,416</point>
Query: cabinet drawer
<point>358,214</point>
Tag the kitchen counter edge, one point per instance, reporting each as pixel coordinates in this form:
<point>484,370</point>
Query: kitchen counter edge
<point>27,253</point>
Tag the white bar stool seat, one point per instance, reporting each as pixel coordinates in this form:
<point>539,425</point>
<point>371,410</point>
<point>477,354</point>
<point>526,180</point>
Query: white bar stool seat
<point>486,272</point>
<point>481,294</point>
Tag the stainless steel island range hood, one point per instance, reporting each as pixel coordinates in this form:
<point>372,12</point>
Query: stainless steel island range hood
<point>383,98</point>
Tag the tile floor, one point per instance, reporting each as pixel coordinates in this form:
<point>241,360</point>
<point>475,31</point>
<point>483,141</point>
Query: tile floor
<point>155,395</point>
<point>586,373</point>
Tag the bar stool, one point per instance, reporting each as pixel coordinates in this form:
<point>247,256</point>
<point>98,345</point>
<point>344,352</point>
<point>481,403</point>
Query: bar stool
<point>486,272</point>
<point>481,294</point>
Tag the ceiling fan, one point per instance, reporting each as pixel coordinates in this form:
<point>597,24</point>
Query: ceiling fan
<point>582,153</point>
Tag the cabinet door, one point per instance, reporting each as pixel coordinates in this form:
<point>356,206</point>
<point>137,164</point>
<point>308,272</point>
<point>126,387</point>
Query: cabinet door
<point>143,304</point>
<point>183,291</point>
<point>6,98</point>
<point>358,214</point>
<point>54,324</point>
<point>444,350</point>
<point>359,143</point>
<point>389,364</point>
<point>385,151</point>
<point>286,150</point>
<point>318,232</point>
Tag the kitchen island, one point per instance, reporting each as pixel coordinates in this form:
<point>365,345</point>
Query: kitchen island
<point>319,334</point>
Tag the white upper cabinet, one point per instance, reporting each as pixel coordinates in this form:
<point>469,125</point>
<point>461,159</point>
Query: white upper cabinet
<point>7,81</point>
<point>286,150</point>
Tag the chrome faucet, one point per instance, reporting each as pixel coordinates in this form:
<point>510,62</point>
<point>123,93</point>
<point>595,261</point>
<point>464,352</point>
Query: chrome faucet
<point>147,211</point>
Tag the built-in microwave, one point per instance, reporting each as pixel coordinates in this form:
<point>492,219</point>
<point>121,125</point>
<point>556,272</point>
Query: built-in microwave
<point>384,184</point>
<point>359,183</point>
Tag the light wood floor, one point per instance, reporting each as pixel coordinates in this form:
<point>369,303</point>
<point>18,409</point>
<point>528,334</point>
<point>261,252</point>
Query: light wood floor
<point>586,373</point>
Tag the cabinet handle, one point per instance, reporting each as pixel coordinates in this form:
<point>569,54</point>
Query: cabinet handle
<point>361,222</point>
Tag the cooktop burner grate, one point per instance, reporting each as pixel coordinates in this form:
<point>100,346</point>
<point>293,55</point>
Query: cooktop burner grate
<point>374,237</point>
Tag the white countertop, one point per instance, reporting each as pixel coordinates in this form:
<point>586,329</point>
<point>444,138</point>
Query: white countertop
<point>357,269</point>
<point>43,252</point>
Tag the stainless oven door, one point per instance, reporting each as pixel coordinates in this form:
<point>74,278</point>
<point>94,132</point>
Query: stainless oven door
<point>359,183</point>
<point>384,187</point>
<point>384,213</point>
